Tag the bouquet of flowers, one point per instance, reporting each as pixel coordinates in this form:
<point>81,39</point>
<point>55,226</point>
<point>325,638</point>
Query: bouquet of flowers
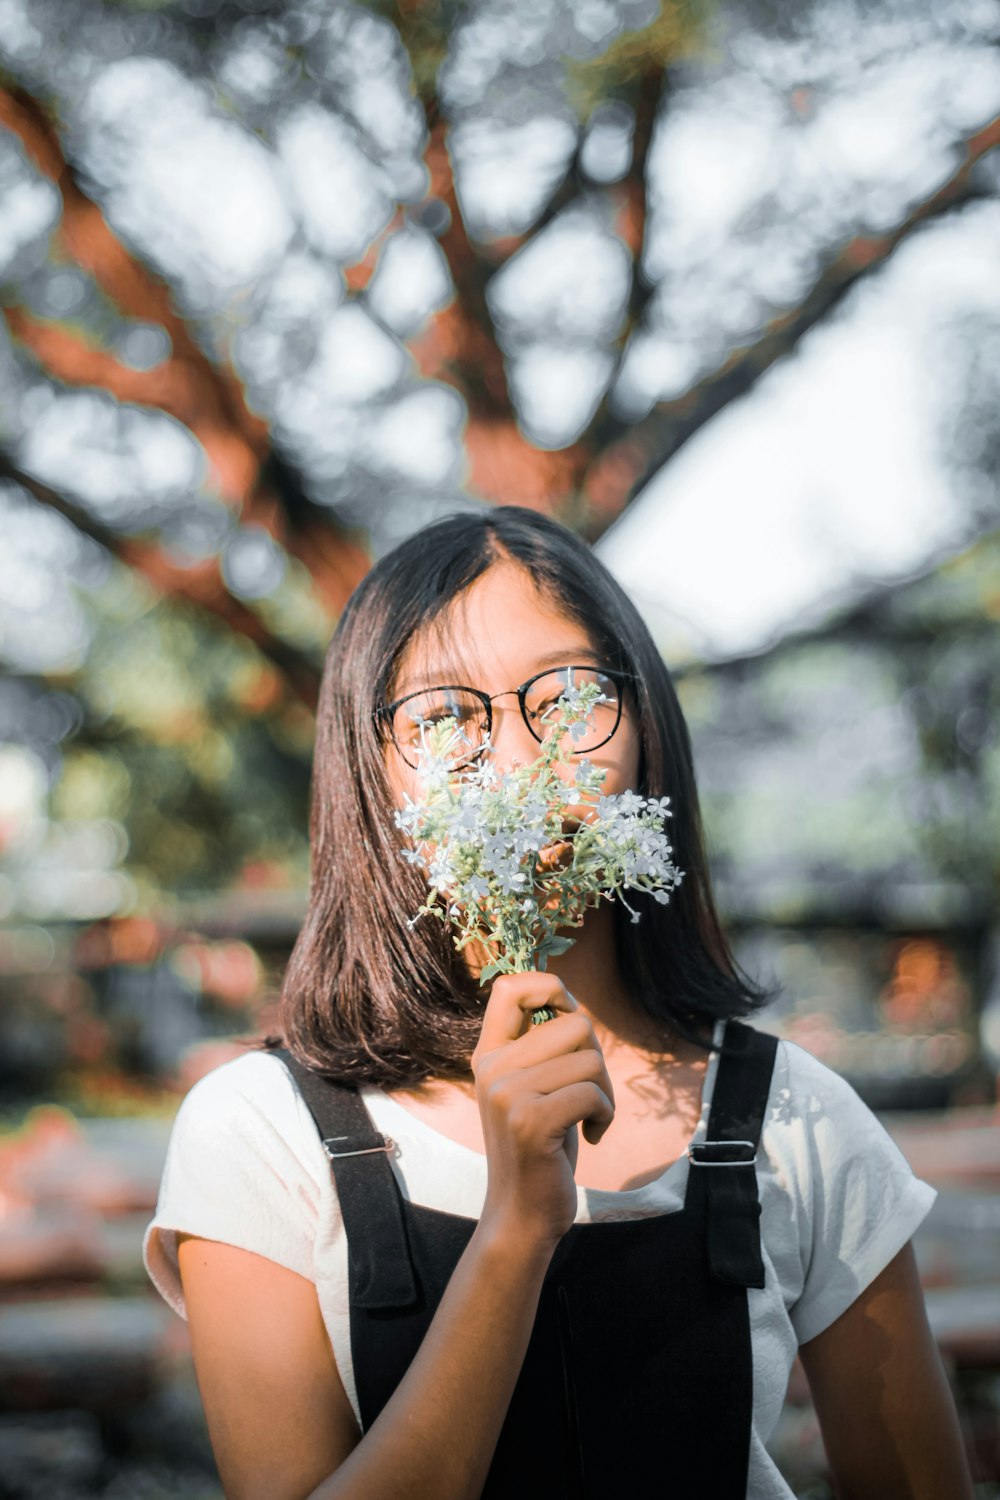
<point>504,869</point>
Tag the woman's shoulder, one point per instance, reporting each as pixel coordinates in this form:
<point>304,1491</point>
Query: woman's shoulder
<point>253,1075</point>
<point>805,1088</point>
<point>816,1126</point>
<point>250,1101</point>
<point>245,1166</point>
<point>821,1136</point>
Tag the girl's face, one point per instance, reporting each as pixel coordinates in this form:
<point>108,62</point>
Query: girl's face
<point>498,633</point>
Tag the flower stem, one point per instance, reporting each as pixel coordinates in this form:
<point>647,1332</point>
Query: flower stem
<point>543,1013</point>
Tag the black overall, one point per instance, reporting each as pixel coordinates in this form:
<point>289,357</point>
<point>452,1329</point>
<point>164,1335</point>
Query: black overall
<point>639,1366</point>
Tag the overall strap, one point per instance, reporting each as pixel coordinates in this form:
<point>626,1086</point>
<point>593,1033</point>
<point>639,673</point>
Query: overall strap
<point>725,1159</point>
<point>380,1268</point>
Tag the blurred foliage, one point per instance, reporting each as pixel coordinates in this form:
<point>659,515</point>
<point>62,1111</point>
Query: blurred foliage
<point>676,31</point>
<point>183,735</point>
<point>850,780</point>
<point>279,283</point>
<point>209,761</point>
<point>283,280</point>
<point>856,769</point>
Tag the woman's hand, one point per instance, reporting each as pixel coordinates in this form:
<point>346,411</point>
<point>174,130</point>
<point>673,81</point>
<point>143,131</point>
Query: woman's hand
<point>534,1085</point>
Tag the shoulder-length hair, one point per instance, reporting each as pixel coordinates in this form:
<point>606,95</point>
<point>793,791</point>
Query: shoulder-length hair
<point>367,999</point>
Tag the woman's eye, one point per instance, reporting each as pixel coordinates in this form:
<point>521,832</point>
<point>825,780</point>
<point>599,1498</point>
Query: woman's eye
<point>463,717</point>
<point>416,727</point>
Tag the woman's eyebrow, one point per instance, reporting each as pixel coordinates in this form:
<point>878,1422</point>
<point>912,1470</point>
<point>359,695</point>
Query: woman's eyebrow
<point>563,658</point>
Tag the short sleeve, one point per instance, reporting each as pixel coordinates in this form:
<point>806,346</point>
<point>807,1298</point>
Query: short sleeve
<point>860,1201</point>
<point>244,1165</point>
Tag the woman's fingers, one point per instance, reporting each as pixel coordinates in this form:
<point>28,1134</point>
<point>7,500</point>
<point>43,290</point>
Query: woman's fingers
<point>568,1033</point>
<point>564,1033</point>
<point>585,1102</point>
<point>508,1010</point>
<point>566,1071</point>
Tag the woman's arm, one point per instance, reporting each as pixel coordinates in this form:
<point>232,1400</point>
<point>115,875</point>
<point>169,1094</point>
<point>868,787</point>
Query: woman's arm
<point>277,1412</point>
<point>280,1422</point>
<point>278,1416</point>
<point>885,1409</point>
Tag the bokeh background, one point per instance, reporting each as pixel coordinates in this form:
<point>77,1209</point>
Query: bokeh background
<point>718,285</point>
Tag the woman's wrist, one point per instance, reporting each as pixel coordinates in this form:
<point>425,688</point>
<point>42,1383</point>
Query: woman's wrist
<point>513,1243</point>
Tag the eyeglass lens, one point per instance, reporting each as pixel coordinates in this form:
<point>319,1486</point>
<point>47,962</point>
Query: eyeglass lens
<point>541,713</point>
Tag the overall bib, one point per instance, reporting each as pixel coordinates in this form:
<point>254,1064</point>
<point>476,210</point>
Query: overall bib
<point>639,1365</point>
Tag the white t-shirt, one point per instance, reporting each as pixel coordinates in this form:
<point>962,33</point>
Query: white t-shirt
<point>245,1165</point>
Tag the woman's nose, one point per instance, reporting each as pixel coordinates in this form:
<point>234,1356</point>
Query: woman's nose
<point>512,739</point>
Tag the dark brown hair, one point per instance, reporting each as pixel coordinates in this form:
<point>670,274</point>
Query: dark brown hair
<point>367,999</point>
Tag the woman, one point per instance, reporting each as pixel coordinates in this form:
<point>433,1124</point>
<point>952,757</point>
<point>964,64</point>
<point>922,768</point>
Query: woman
<point>429,1249</point>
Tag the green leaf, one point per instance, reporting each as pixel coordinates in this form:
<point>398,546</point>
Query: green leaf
<point>553,946</point>
<point>489,972</point>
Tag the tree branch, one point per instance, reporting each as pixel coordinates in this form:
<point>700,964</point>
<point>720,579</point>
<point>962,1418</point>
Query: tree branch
<point>631,218</point>
<point>633,194</point>
<point>90,243</point>
<point>460,344</point>
<point>201,585</point>
<point>207,399</point>
<point>463,330</point>
<point>628,455</point>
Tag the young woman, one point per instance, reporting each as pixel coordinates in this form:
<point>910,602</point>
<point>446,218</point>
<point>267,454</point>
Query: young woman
<point>429,1249</point>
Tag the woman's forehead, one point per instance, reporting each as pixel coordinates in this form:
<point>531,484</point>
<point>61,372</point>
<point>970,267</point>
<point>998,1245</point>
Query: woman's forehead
<point>470,641</point>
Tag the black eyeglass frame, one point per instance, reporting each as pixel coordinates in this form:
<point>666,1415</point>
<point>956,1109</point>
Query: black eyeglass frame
<point>387,711</point>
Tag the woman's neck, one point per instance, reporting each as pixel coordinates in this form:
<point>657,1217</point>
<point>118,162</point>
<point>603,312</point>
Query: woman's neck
<point>591,972</point>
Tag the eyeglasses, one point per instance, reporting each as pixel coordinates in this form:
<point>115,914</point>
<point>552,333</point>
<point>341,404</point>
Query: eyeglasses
<point>409,718</point>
